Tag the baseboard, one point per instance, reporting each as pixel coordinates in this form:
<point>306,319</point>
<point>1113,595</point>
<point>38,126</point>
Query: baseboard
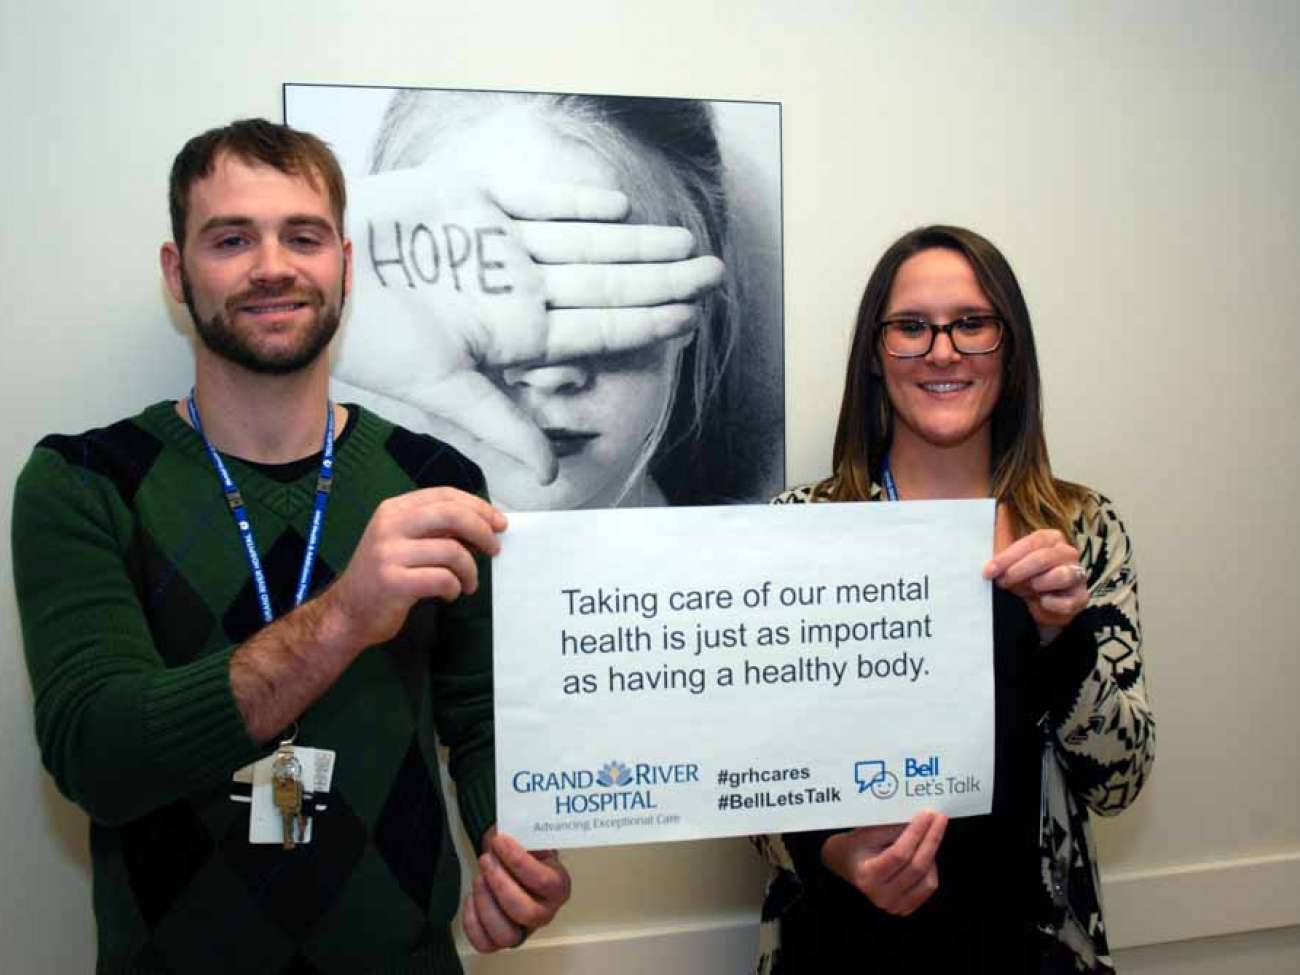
<point>1143,907</point>
<point>1202,900</point>
<point>718,946</point>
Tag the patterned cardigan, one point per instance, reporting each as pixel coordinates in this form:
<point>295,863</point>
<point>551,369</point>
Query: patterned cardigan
<point>1097,750</point>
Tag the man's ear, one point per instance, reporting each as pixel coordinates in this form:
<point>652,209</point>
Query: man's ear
<point>169,256</point>
<point>347,266</point>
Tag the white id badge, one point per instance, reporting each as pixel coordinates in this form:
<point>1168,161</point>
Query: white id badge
<point>265,824</point>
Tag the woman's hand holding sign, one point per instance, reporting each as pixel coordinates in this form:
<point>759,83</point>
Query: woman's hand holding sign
<point>892,865</point>
<point>1043,569</point>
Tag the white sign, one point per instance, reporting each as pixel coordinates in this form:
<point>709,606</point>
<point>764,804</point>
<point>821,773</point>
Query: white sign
<point>680,673</point>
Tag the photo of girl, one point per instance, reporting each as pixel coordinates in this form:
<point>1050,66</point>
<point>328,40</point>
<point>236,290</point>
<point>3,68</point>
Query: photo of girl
<point>580,292</point>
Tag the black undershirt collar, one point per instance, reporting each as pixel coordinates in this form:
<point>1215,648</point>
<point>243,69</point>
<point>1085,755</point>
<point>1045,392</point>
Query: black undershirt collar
<point>290,471</point>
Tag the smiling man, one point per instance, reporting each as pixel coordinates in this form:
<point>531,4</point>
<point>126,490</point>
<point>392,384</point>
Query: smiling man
<point>249,614</point>
<point>288,319</point>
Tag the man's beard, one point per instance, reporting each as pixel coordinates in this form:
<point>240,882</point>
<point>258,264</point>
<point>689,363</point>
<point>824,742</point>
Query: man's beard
<point>221,338</point>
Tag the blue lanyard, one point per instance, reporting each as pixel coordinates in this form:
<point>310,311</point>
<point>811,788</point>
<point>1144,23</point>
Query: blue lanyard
<point>324,481</point>
<point>887,475</point>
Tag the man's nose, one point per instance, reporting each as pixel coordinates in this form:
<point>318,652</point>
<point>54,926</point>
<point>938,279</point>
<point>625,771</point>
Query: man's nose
<point>271,264</point>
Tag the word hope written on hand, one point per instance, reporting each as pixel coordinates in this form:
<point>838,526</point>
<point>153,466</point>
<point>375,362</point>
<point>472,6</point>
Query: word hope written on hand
<point>426,253</point>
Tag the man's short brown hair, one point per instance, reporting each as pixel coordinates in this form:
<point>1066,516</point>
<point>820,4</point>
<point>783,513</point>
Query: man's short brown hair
<point>258,141</point>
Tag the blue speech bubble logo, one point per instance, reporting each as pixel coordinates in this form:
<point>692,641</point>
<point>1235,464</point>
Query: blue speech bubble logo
<point>865,774</point>
<point>874,776</point>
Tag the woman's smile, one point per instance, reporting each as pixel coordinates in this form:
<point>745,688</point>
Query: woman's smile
<point>946,387</point>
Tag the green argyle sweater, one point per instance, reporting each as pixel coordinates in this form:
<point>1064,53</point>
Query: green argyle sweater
<point>134,591</point>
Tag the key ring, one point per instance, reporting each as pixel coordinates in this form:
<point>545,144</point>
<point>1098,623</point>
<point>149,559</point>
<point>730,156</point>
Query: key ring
<point>293,736</point>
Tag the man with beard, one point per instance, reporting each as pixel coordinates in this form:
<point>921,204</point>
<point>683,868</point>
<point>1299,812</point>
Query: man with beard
<point>246,614</point>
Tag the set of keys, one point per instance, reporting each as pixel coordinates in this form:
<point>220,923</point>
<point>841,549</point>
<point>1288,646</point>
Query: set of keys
<point>286,793</point>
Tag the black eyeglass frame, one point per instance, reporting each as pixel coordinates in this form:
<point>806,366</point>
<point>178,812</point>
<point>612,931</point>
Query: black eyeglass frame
<point>946,330</point>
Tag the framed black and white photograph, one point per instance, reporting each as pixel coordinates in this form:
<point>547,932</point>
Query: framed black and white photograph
<point>583,293</point>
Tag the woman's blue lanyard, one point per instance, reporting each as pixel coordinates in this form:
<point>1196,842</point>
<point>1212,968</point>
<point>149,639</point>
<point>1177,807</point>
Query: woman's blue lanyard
<point>235,500</point>
<point>887,475</point>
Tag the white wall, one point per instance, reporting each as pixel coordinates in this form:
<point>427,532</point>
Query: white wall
<point>1138,163</point>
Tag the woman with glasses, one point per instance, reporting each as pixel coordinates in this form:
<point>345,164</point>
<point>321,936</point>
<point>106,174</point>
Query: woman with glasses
<point>942,400</point>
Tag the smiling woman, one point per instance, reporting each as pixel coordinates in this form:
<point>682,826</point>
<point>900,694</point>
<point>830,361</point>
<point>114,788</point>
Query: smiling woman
<point>941,400</point>
<point>942,381</point>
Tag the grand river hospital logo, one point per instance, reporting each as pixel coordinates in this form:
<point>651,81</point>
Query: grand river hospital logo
<point>613,774</point>
<point>874,776</point>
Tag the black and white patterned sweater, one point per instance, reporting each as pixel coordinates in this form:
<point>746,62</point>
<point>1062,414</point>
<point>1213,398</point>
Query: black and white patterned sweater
<point>1098,746</point>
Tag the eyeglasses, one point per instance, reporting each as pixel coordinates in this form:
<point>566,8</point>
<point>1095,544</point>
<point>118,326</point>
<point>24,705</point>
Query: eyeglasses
<point>911,338</point>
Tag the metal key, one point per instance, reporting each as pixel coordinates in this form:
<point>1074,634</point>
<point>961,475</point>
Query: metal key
<point>286,791</point>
